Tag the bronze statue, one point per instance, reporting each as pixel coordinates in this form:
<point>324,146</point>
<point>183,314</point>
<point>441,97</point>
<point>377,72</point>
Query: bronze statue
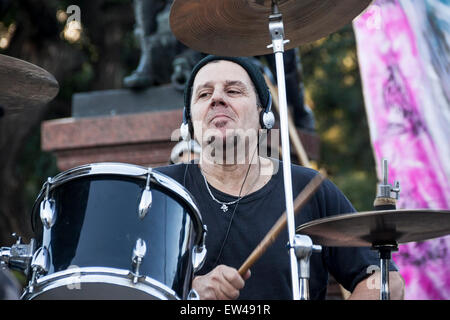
<point>163,58</point>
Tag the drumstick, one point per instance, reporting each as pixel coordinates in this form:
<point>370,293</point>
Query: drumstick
<point>299,202</point>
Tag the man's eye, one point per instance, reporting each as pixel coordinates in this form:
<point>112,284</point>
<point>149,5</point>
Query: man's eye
<point>234,91</point>
<point>203,94</point>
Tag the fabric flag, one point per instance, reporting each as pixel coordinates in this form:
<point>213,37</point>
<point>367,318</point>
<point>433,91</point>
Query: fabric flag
<point>405,75</point>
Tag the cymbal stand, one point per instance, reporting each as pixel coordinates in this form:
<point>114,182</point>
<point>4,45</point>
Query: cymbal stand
<point>303,249</point>
<point>385,201</point>
<point>385,258</point>
<point>276,29</point>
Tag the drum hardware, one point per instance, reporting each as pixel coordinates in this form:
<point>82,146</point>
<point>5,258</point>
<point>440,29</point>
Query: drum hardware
<point>380,230</point>
<point>40,265</point>
<point>198,259</point>
<point>5,256</point>
<point>199,252</point>
<point>18,256</point>
<point>146,198</point>
<point>276,29</point>
<point>384,199</point>
<point>304,247</point>
<point>384,251</point>
<point>193,295</point>
<point>97,283</point>
<point>47,208</point>
<point>139,253</point>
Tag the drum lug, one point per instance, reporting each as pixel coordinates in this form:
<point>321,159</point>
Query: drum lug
<point>40,264</point>
<point>41,261</point>
<point>146,198</point>
<point>139,253</point>
<point>193,295</point>
<point>199,252</point>
<point>47,212</point>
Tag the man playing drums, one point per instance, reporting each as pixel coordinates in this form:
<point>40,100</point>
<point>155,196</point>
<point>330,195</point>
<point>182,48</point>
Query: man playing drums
<point>240,193</point>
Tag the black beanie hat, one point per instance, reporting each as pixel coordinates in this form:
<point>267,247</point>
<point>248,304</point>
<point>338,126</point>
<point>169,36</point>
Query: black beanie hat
<point>246,63</point>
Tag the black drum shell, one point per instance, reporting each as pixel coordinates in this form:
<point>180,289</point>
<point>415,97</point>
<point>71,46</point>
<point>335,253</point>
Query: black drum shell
<point>97,225</point>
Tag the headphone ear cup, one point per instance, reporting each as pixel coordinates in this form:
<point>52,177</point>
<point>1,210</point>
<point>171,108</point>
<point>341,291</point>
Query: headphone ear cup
<point>184,131</point>
<point>268,120</point>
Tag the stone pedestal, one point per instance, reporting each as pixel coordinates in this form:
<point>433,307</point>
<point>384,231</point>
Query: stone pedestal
<point>142,139</point>
<point>116,126</point>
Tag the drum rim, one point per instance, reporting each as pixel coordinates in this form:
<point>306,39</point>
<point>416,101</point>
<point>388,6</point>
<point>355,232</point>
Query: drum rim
<point>103,275</point>
<point>129,170</point>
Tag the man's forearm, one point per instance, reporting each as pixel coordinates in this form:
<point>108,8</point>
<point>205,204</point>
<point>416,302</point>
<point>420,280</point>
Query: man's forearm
<point>369,288</point>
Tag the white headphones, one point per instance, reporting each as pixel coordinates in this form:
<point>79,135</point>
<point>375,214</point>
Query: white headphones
<point>266,119</point>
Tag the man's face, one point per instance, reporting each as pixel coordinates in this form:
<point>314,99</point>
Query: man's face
<point>223,103</point>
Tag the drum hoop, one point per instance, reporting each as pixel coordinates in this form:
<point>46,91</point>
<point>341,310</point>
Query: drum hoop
<point>101,275</point>
<point>128,170</point>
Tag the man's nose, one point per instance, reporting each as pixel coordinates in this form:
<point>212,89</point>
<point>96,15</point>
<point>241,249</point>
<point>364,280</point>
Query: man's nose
<point>218,98</point>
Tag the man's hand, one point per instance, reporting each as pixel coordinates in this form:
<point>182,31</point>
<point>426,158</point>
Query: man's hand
<point>222,283</point>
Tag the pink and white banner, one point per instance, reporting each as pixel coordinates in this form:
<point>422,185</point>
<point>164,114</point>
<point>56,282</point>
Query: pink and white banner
<point>408,112</point>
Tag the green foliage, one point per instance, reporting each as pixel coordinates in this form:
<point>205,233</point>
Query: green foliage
<point>333,90</point>
<point>33,168</point>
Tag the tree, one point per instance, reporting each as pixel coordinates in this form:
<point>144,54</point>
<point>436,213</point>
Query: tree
<point>333,89</point>
<point>93,61</point>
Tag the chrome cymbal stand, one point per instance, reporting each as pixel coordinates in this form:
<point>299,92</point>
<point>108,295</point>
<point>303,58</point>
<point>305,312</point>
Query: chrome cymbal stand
<point>276,29</point>
<point>385,258</point>
<point>386,201</point>
<point>303,250</point>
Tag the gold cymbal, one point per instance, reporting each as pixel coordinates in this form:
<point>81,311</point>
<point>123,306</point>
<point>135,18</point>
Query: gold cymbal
<point>241,27</point>
<point>364,229</point>
<point>24,85</point>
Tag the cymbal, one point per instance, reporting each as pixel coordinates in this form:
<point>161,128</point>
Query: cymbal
<point>364,229</point>
<point>23,85</point>
<point>241,27</point>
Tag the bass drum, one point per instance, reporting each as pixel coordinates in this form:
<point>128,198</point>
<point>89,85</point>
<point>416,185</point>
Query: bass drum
<point>114,231</point>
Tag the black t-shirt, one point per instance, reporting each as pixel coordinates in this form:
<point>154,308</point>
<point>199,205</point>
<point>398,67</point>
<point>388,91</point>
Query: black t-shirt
<point>255,215</point>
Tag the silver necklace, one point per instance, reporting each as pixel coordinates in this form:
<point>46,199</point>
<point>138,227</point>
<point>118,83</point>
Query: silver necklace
<point>224,205</point>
